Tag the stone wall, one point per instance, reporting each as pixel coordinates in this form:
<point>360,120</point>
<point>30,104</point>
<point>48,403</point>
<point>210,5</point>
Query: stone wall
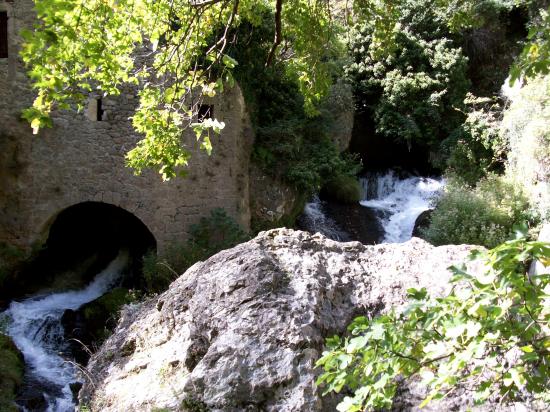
<point>80,160</point>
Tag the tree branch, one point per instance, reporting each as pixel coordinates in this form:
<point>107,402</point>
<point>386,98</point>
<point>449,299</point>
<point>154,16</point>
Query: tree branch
<point>278,30</point>
<point>200,3</point>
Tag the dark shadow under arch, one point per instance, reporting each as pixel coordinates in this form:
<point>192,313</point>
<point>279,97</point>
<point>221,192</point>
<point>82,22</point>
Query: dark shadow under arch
<point>81,241</point>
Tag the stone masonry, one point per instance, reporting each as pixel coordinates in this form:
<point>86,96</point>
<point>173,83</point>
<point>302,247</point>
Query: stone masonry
<point>81,160</point>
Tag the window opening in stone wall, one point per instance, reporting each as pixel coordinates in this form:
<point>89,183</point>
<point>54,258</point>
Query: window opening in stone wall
<point>3,34</point>
<point>99,110</point>
<point>206,111</point>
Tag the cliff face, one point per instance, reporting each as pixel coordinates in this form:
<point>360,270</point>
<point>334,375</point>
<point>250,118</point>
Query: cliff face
<point>242,330</point>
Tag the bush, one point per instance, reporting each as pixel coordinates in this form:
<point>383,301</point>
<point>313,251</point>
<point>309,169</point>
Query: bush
<point>343,189</point>
<point>290,144</point>
<point>411,94</point>
<point>491,333</point>
<point>484,215</point>
<point>477,147</point>
<point>11,373</point>
<point>211,235</point>
<point>526,124</point>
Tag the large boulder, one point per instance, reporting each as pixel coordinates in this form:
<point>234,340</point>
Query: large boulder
<point>242,330</point>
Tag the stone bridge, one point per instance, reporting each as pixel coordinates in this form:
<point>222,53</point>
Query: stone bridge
<point>81,159</point>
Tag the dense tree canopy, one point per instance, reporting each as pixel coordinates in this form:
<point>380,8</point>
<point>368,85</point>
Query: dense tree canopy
<point>175,52</point>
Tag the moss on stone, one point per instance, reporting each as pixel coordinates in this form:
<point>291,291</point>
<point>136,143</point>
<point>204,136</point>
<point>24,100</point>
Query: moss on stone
<point>102,313</point>
<point>343,189</point>
<point>12,368</point>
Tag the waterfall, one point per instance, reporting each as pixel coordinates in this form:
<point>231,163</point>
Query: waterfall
<point>35,326</point>
<point>399,201</point>
<point>314,219</point>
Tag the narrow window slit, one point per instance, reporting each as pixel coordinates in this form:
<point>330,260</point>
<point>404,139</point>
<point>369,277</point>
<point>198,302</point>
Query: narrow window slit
<point>99,110</point>
<point>206,111</point>
<point>3,34</point>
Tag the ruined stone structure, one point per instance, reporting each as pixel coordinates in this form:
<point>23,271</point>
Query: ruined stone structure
<point>81,159</point>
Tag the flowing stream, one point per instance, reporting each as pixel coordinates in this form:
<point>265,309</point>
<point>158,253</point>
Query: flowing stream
<point>35,326</point>
<point>314,219</point>
<point>397,201</point>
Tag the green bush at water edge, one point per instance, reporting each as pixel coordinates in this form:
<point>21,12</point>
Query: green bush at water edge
<point>482,215</point>
<point>211,235</point>
<point>343,189</point>
<point>12,369</point>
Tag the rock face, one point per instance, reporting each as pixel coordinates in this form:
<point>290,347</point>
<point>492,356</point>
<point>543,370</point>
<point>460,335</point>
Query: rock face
<point>273,203</point>
<point>422,222</point>
<point>242,330</point>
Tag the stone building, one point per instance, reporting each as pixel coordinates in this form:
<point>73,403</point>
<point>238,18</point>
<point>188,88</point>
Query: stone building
<point>81,159</point>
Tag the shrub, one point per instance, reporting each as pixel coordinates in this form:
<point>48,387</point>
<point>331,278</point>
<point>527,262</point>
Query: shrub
<point>477,147</point>
<point>411,94</point>
<point>11,373</point>
<point>526,124</point>
<point>491,332</point>
<point>211,235</point>
<point>290,144</point>
<point>484,215</point>
<point>343,189</point>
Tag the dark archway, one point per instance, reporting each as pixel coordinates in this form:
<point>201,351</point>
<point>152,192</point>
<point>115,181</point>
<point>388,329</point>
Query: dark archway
<point>82,240</point>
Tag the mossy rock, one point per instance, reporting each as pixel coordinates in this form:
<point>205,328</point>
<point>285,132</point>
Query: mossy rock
<point>102,313</point>
<point>12,369</point>
<point>343,189</point>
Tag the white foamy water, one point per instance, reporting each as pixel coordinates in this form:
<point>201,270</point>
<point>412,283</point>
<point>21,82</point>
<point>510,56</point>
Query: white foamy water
<point>35,327</point>
<point>399,202</point>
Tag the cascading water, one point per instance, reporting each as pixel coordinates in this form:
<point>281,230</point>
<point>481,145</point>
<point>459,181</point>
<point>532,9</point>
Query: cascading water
<point>35,326</point>
<point>399,201</point>
<point>314,219</point>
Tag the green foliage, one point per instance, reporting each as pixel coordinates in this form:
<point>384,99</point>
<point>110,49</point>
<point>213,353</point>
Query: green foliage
<point>534,60</point>
<point>526,125</point>
<point>11,373</point>
<point>211,235</point>
<point>291,143</point>
<point>343,189</point>
<point>483,215</point>
<point>102,314</point>
<point>191,404</point>
<point>173,51</point>
<point>490,332</point>
<point>216,232</point>
<point>477,147</point>
<point>412,93</point>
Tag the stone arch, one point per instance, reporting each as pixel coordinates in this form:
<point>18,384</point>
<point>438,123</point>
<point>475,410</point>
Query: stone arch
<point>92,221</point>
<point>81,240</point>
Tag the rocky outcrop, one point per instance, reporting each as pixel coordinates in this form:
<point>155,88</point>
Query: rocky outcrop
<point>273,203</point>
<point>422,222</point>
<point>242,330</point>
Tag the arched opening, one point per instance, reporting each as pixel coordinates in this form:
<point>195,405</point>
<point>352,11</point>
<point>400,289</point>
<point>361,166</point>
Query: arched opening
<point>79,280</point>
<point>82,240</point>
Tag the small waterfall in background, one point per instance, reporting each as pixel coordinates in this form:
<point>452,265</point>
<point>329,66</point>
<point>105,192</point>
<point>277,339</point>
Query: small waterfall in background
<point>395,200</point>
<point>314,219</point>
<point>35,327</point>
<point>399,201</point>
